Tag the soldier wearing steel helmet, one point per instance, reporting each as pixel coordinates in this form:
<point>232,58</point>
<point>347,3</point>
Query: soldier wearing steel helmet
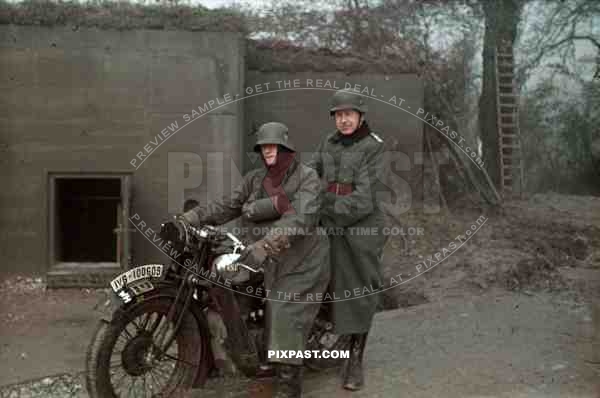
<point>283,197</point>
<point>350,162</point>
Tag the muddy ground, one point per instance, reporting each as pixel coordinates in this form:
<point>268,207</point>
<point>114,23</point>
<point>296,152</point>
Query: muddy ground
<point>526,285</point>
<point>541,243</point>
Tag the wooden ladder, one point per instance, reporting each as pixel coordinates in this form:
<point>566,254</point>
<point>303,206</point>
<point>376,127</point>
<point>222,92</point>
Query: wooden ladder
<point>507,111</point>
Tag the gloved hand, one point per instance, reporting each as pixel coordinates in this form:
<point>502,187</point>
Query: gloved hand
<point>255,254</point>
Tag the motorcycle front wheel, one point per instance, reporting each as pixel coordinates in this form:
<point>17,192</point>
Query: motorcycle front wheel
<point>127,357</point>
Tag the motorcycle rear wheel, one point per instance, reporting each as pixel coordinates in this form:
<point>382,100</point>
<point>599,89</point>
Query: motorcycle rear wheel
<point>149,370</point>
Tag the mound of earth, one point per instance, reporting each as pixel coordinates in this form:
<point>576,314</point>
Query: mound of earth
<point>541,243</point>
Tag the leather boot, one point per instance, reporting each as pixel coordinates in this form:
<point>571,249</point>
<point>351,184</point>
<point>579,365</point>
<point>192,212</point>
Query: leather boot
<point>288,383</point>
<point>353,370</point>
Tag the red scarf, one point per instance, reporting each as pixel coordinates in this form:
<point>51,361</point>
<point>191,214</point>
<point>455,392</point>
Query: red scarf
<point>272,182</point>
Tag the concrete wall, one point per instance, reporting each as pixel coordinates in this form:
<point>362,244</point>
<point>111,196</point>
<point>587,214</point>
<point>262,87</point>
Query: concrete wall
<point>90,100</point>
<point>305,111</point>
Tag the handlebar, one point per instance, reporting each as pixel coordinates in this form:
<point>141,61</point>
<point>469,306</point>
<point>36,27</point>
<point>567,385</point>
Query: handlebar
<point>185,230</point>
<point>180,231</point>
<point>202,233</point>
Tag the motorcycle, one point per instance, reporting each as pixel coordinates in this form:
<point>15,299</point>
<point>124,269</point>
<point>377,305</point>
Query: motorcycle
<point>166,328</point>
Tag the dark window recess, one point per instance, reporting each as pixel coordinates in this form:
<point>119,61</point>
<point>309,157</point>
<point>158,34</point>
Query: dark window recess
<point>87,214</point>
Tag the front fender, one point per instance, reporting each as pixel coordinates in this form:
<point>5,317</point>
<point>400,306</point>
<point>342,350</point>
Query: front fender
<point>108,305</point>
<point>112,307</point>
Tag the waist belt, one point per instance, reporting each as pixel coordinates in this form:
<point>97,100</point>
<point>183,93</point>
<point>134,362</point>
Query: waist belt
<point>340,189</point>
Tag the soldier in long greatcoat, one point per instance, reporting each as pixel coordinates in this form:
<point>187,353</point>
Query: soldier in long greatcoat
<point>279,205</point>
<point>350,161</point>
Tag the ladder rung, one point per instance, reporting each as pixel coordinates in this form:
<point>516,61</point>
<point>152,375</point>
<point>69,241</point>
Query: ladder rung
<point>510,146</point>
<point>506,85</point>
<point>505,55</point>
<point>508,125</point>
<point>505,74</point>
<point>509,105</point>
<point>510,136</point>
<point>507,95</point>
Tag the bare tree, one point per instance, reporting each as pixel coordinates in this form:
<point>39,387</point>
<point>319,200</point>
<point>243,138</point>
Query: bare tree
<point>556,29</point>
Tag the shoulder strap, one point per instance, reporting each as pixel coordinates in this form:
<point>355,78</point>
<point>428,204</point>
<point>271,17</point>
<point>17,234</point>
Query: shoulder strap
<point>376,137</point>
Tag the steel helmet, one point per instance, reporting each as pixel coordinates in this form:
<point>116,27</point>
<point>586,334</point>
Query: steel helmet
<point>346,99</point>
<point>273,133</point>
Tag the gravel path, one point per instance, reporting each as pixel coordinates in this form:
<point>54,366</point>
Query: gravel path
<point>496,345</point>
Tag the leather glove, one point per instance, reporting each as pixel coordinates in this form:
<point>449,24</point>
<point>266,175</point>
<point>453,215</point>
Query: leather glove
<point>255,254</point>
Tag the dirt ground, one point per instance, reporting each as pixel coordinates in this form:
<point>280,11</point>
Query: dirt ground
<point>515,312</point>
<point>541,243</point>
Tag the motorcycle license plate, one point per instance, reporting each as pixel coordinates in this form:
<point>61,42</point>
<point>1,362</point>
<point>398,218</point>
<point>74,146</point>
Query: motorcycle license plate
<point>127,279</point>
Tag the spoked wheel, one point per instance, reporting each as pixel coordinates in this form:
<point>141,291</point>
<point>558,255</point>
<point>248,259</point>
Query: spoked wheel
<point>127,357</point>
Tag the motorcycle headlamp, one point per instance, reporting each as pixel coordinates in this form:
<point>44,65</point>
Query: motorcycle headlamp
<point>228,267</point>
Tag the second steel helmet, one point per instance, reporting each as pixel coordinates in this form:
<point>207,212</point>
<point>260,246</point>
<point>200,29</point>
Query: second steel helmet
<point>346,99</point>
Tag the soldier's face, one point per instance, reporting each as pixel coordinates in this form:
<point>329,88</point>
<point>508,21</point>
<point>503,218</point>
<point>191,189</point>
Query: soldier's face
<point>269,152</point>
<point>347,121</point>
